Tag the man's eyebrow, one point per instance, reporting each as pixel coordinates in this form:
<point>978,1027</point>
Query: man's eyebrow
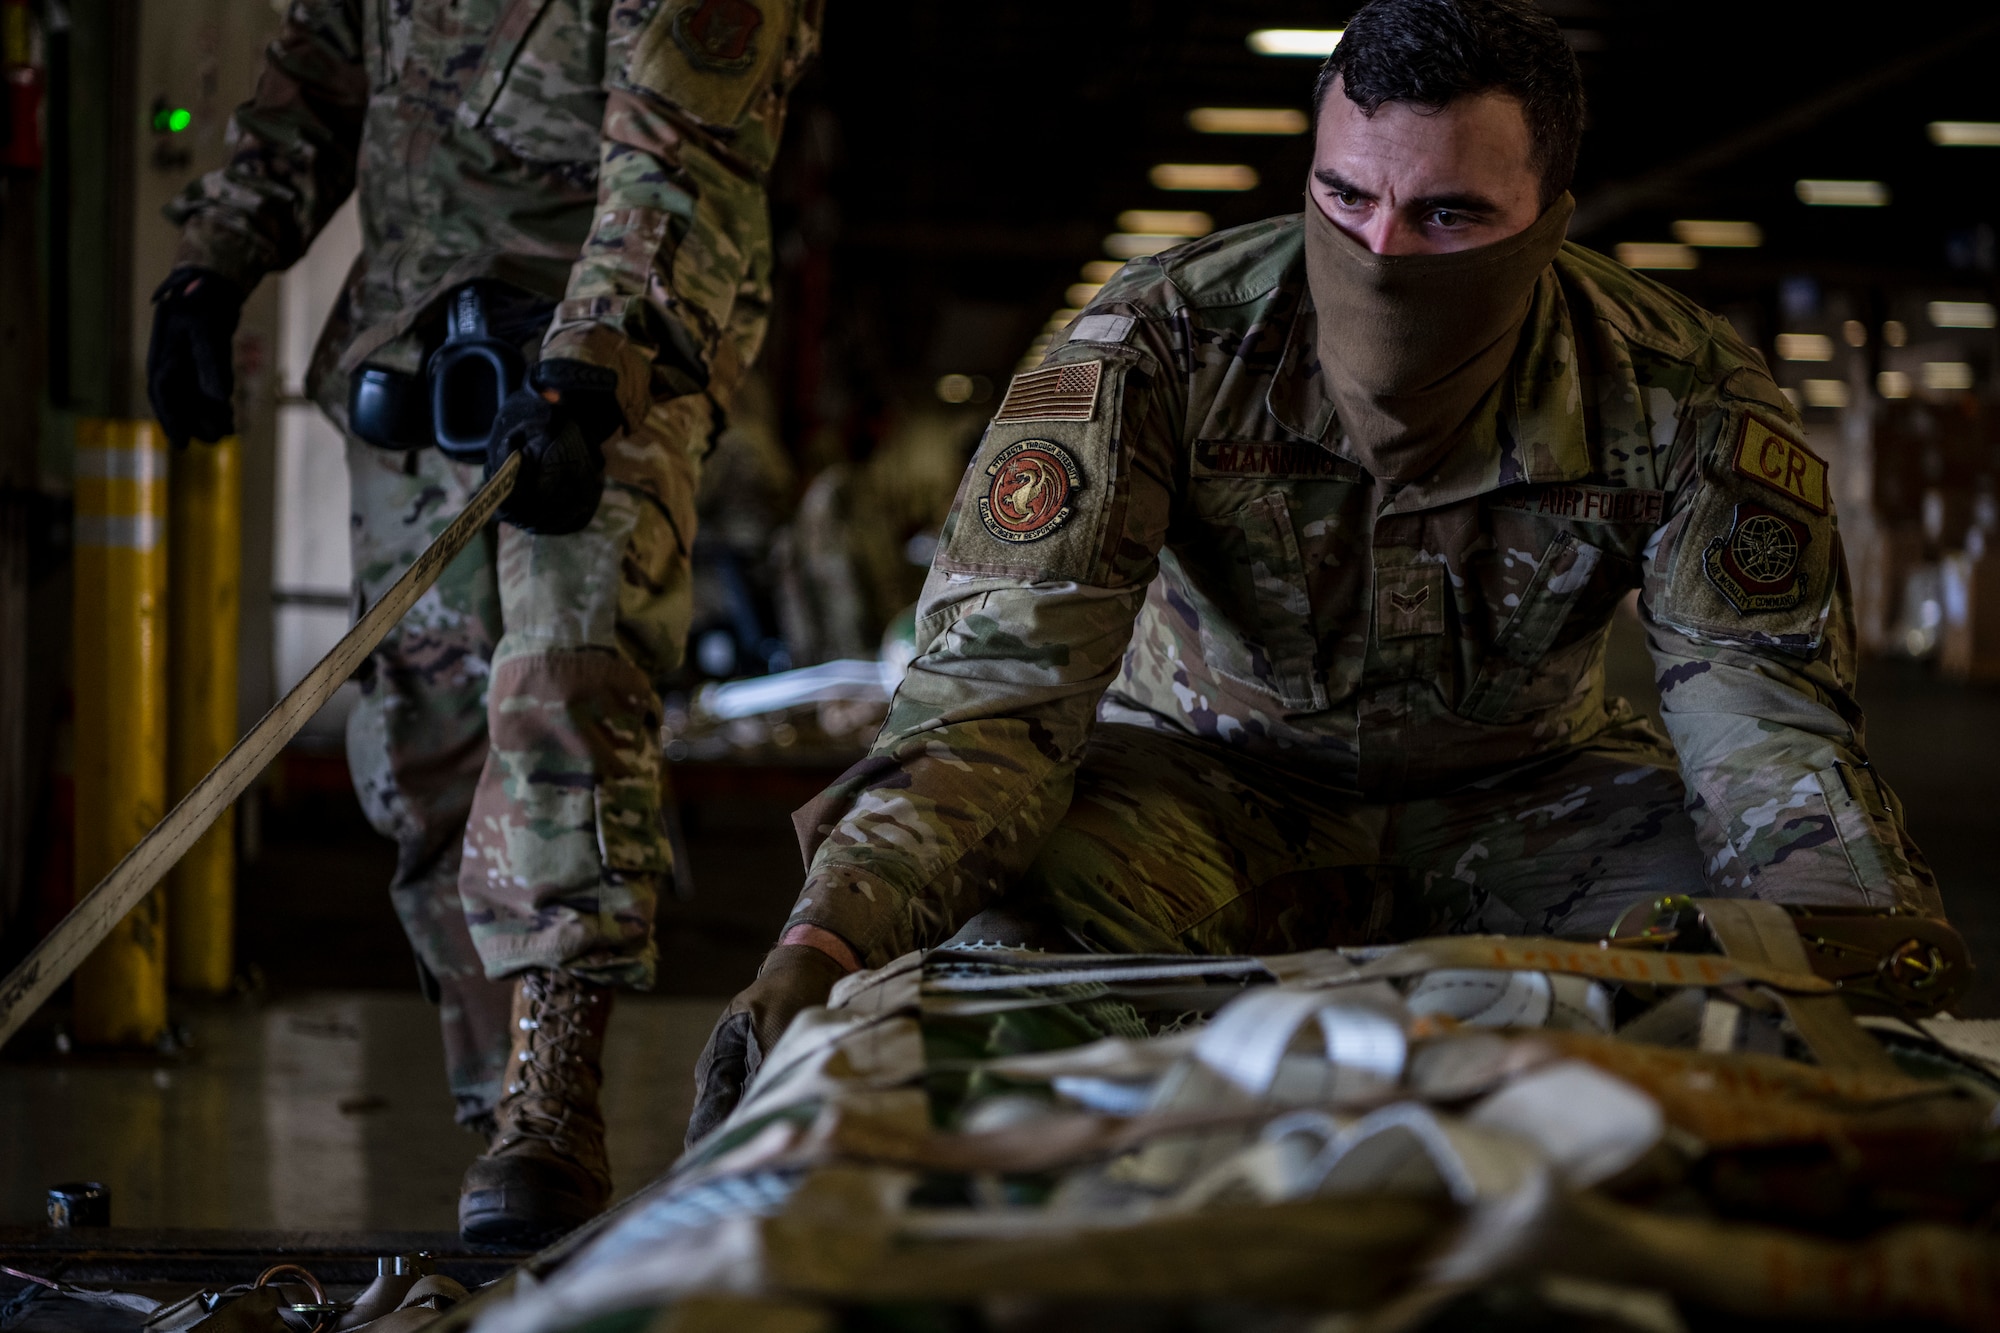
<point>1455,203</point>
<point>1338,183</point>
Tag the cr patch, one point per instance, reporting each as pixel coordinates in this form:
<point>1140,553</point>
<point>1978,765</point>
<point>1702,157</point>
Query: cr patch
<point>1756,566</point>
<point>1028,496</point>
<point>1773,459</point>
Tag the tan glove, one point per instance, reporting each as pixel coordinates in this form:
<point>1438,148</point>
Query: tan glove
<point>793,977</point>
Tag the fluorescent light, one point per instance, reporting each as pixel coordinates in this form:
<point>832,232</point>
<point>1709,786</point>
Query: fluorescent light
<point>1135,244</point>
<point>1895,333</point>
<point>1082,293</point>
<point>1825,393</point>
<point>1166,221</point>
<point>1100,271</point>
<point>1965,133</point>
<point>1718,235</point>
<point>1854,333</point>
<point>1203,176</point>
<point>1060,320</point>
<point>1657,254</point>
<point>1843,194</point>
<point>1294,41</point>
<point>1247,120</point>
<point>1791,396</point>
<point>955,388</point>
<point>1893,384</point>
<point>1946,376</point>
<point>1961,314</point>
<point>1805,347</point>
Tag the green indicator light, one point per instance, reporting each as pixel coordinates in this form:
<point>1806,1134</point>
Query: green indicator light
<point>179,119</point>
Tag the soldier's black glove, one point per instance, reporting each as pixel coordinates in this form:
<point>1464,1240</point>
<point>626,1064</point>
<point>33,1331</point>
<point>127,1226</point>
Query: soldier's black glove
<point>558,423</point>
<point>190,364</point>
<point>793,977</point>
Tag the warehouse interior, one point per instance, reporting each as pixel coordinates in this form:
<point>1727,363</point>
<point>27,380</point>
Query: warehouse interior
<point>954,185</point>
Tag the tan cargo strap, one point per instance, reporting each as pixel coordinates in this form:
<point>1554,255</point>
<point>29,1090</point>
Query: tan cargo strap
<point>1762,934</point>
<point>65,948</point>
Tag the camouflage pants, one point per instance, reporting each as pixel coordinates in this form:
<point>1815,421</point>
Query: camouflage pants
<point>507,735</point>
<point>1177,845</point>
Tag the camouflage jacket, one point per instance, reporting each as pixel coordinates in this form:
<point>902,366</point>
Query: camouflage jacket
<point>1161,519</point>
<point>605,154</point>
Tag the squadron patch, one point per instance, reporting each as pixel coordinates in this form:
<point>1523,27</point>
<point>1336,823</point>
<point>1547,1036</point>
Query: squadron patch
<point>1054,393</point>
<point>1756,566</point>
<point>717,34</point>
<point>1029,494</point>
<point>1774,459</point>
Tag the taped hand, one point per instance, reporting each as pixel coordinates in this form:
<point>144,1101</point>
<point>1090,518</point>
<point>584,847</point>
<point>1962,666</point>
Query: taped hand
<point>190,363</point>
<point>793,977</point>
<point>558,423</point>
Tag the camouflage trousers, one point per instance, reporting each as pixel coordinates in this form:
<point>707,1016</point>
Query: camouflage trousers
<point>1177,845</point>
<point>507,734</point>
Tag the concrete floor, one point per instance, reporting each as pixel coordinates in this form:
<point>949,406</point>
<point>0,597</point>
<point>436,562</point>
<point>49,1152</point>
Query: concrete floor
<point>316,1111</point>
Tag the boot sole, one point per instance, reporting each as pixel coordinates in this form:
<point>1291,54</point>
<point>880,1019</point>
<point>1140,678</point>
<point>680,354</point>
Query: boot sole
<point>519,1216</point>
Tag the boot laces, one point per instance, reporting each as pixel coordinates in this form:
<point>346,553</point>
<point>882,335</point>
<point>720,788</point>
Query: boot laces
<point>556,1029</point>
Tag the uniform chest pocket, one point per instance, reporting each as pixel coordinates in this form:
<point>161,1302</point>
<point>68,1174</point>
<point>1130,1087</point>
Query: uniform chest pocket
<point>1260,580</point>
<point>539,89</point>
<point>1496,693</point>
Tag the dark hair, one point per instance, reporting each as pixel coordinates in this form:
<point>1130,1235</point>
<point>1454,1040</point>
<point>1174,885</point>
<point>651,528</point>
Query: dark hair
<point>1428,52</point>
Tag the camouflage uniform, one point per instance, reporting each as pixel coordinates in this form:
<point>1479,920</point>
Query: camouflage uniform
<point>1302,678</point>
<point>606,160</point>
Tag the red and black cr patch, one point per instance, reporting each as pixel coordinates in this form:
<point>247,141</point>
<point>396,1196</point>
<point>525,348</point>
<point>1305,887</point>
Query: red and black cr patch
<point>1029,494</point>
<point>1756,566</point>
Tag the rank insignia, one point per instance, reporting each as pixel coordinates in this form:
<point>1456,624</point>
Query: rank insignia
<point>716,34</point>
<point>1756,566</point>
<point>1029,494</point>
<point>1774,459</point>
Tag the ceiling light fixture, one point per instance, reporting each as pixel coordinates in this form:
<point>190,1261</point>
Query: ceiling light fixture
<point>1657,254</point>
<point>1843,194</point>
<point>1138,244</point>
<point>1805,347</point>
<point>1082,293</point>
<point>1247,120</point>
<point>1892,384</point>
<point>1100,271</point>
<point>1718,235</point>
<point>1167,221</point>
<point>1965,133</point>
<point>1947,376</point>
<point>1294,41</point>
<point>1825,393</point>
<point>1960,314</point>
<point>1218,176</point>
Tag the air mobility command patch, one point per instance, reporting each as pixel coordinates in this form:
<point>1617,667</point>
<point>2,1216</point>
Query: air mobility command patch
<point>1028,494</point>
<point>1055,393</point>
<point>719,35</point>
<point>1773,458</point>
<point>1756,565</point>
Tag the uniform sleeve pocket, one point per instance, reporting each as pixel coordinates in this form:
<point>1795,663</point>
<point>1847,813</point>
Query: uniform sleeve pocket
<point>1868,836</point>
<point>1529,632</point>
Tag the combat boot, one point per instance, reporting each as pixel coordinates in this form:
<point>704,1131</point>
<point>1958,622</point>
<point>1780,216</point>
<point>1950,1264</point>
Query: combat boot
<point>545,1170</point>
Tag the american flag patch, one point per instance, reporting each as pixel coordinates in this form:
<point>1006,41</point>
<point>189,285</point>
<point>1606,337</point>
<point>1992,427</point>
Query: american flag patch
<point>1058,393</point>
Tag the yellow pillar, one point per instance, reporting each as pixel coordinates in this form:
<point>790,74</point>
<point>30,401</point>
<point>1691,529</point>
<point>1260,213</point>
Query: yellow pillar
<point>206,541</point>
<point>121,713</point>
